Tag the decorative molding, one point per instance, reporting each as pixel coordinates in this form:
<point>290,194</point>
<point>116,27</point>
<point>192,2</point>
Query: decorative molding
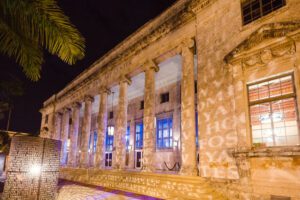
<point>76,105</point>
<point>265,55</point>
<point>150,65</point>
<point>126,79</point>
<point>88,98</point>
<point>267,31</point>
<point>104,89</point>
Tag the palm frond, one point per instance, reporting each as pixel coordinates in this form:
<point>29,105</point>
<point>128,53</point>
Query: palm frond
<point>45,22</point>
<point>26,52</point>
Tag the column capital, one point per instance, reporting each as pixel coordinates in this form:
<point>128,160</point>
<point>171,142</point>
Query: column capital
<point>150,65</point>
<point>76,105</point>
<point>187,43</point>
<point>126,79</point>
<point>66,109</point>
<point>88,98</point>
<point>59,113</point>
<point>104,89</point>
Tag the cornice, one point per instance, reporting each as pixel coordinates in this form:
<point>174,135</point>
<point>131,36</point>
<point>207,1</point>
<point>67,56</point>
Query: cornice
<point>266,32</point>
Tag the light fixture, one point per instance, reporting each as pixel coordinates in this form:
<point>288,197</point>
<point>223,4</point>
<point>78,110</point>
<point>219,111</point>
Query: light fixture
<point>35,170</point>
<point>175,143</point>
<point>129,147</point>
<point>68,143</point>
<point>110,130</point>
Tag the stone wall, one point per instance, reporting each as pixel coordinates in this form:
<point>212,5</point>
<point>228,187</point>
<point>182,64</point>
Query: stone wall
<point>223,108</point>
<point>155,185</point>
<point>33,168</point>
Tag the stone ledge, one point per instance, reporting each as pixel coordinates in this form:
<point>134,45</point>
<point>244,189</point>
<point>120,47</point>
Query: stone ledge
<point>266,152</point>
<point>164,186</point>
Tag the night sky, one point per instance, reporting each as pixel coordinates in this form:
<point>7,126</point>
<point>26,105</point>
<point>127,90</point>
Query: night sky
<point>103,24</point>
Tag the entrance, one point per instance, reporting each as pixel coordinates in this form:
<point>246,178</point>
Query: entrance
<point>108,159</point>
<point>138,159</point>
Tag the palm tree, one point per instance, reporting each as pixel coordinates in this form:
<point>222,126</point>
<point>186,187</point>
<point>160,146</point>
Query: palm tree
<point>10,87</point>
<point>29,26</point>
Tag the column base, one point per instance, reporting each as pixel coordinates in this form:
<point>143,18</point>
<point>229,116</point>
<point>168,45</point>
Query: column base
<point>148,169</point>
<point>188,171</point>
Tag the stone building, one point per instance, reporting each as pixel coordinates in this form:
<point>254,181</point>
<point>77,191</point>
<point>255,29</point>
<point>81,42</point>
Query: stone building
<point>208,91</point>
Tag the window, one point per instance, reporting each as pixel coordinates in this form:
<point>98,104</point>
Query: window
<point>111,115</point>
<point>273,112</point>
<point>164,135</point>
<point>46,119</point>
<point>108,159</point>
<point>93,142</point>
<point>127,137</point>
<point>139,135</point>
<point>70,121</point>
<point>164,97</point>
<point>109,141</point>
<point>195,86</point>
<point>254,9</point>
<point>142,105</point>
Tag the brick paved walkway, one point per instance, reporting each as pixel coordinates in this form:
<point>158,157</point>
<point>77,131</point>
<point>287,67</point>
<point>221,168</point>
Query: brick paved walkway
<point>76,191</point>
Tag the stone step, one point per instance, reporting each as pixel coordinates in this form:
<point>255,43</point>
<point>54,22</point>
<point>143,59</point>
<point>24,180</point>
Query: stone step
<point>163,186</point>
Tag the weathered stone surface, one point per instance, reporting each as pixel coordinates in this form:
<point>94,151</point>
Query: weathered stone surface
<point>230,55</point>
<point>102,126</point>
<point>121,126</point>
<point>188,132</point>
<point>86,132</point>
<point>156,185</point>
<point>57,126</point>
<point>72,161</point>
<point>33,168</point>
<point>149,117</point>
<point>64,135</point>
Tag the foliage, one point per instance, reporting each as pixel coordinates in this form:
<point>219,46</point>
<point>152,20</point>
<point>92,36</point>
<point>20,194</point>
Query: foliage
<point>29,26</point>
<point>4,142</point>
<point>10,87</point>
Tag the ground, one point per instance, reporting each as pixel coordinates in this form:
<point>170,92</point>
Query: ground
<point>70,190</point>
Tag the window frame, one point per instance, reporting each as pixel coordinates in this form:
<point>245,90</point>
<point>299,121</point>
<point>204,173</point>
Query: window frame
<point>272,99</point>
<point>170,138</point>
<point>109,140</point>
<point>165,97</point>
<point>261,13</point>
<point>127,137</point>
<point>141,133</point>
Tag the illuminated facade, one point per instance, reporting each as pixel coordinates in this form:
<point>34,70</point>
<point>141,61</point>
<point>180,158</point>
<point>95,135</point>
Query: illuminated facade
<point>208,90</point>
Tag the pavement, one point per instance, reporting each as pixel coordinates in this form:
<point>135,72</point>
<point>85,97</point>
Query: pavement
<point>76,191</point>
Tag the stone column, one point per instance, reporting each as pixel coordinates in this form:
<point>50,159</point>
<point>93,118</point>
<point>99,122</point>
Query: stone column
<point>86,132</point>
<point>102,126</point>
<point>74,135</point>
<point>92,153</point>
<point>121,125</point>
<point>57,125</point>
<point>188,132</point>
<point>149,117</point>
<point>64,135</point>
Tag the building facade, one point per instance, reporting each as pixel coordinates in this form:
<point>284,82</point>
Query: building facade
<point>210,89</point>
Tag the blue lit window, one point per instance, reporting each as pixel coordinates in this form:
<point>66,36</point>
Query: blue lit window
<point>95,141</point>
<point>139,135</point>
<point>109,138</point>
<point>127,137</point>
<point>164,135</point>
<point>93,136</point>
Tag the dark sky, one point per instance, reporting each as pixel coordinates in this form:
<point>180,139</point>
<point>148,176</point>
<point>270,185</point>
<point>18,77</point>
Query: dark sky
<point>103,23</point>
